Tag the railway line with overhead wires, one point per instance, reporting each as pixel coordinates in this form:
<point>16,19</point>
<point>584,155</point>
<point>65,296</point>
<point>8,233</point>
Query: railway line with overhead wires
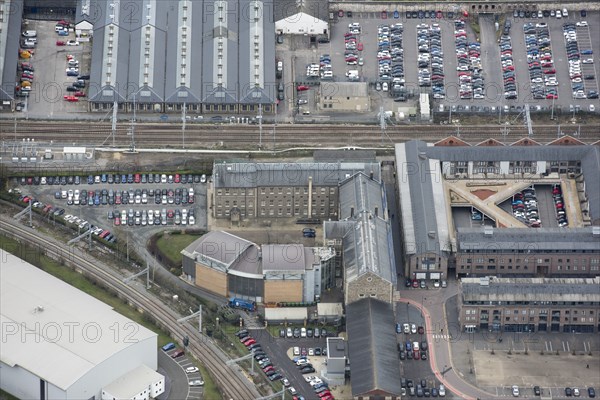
<point>200,135</point>
<point>232,383</point>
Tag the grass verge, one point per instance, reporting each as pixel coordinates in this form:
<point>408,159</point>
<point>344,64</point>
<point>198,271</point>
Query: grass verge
<point>170,245</point>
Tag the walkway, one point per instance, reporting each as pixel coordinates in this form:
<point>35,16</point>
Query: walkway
<point>440,350</point>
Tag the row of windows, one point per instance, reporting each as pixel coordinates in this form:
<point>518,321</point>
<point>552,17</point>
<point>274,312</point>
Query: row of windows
<point>528,260</point>
<point>532,311</point>
<point>532,319</point>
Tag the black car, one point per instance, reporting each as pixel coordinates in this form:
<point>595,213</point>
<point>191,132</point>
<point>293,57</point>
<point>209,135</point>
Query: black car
<point>307,370</point>
<point>591,391</point>
<point>537,391</point>
<point>568,392</point>
<point>402,355</point>
<point>317,351</point>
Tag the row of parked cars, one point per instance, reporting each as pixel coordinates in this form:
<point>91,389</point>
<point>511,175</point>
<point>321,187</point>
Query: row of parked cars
<point>508,69</point>
<point>559,204</point>
<point>468,66</point>
<point>525,207</point>
<point>70,220</point>
<point>352,44</point>
<point>152,217</point>
<point>113,178</point>
<point>413,350</point>
<point>576,58</point>
<point>421,389</point>
<point>302,332</point>
<point>542,73</point>
<point>390,61</point>
<point>259,355</point>
<point>131,196</point>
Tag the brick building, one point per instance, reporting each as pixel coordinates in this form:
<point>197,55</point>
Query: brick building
<point>248,190</point>
<point>530,304</point>
<point>363,237</point>
<point>520,252</point>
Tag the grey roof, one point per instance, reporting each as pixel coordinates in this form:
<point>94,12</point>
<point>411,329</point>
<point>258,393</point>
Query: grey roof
<point>589,156</point>
<point>10,36</point>
<point>367,240</point>
<point>361,194</point>
<point>344,155</point>
<point>422,200</point>
<point>372,348</point>
<point>528,240</point>
<point>532,289</point>
<point>250,174</point>
<point>220,247</point>
<point>336,346</point>
<point>248,261</point>
<point>287,8</point>
<point>183,62</point>
<point>368,248</point>
<point>283,257</point>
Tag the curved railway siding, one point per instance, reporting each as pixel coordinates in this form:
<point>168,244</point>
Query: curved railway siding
<point>233,384</point>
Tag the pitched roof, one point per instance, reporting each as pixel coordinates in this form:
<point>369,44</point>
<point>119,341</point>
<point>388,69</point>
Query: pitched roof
<point>526,141</point>
<point>218,247</point>
<point>451,141</point>
<point>258,174</point>
<point>372,348</point>
<point>532,289</point>
<point>534,240</point>
<point>566,140</point>
<point>422,201</point>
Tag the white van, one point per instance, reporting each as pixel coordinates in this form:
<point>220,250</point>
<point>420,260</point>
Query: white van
<point>30,34</point>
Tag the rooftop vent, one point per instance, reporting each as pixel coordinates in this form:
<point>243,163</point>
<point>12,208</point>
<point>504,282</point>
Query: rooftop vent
<point>596,230</point>
<point>431,234</point>
<point>485,281</point>
<point>488,231</point>
<point>38,309</point>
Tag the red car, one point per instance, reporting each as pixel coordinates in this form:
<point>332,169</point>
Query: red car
<point>79,94</point>
<point>302,88</point>
<point>177,178</point>
<point>359,47</point>
<point>177,353</point>
<point>384,15</point>
<point>340,13</point>
<point>415,283</point>
<point>250,342</point>
<point>71,99</point>
<point>269,368</point>
<point>26,75</point>
<point>324,393</point>
<point>61,43</point>
<point>550,71</point>
<point>547,65</point>
<point>137,178</point>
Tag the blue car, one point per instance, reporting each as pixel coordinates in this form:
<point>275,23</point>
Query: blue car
<point>587,52</point>
<point>398,328</point>
<point>396,14</point>
<point>168,346</point>
<point>408,346</point>
<point>72,73</point>
<point>63,33</point>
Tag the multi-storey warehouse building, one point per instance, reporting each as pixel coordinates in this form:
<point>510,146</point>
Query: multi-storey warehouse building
<point>250,190</point>
<point>530,304</point>
<point>161,56</point>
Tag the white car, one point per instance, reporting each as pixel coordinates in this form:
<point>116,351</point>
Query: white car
<point>406,328</point>
<point>302,362</point>
<point>582,23</point>
<point>588,61</point>
<point>515,391</point>
<point>191,370</point>
<point>311,351</point>
<point>310,378</point>
<point>72,42</point>
<point>413,329</point>
<point>592,108</point>
<point>576,392</point>
<point>285,382</point>
<point>315,382</point>
<point>197,382</point>
<point>292,390</point>
<point>442,391</point>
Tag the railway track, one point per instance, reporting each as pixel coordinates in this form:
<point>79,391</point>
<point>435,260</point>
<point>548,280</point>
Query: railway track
<point>232,383</point>
<point>235,135</point>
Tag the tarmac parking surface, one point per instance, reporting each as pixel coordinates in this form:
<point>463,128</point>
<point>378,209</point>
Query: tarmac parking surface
<point>494,101</point>
<point>50,63</point>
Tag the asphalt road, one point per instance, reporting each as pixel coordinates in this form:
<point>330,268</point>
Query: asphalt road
<point>176,383</point>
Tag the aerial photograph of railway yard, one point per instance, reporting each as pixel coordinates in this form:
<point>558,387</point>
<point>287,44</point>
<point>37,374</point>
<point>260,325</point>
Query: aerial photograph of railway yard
<point>299,199</point>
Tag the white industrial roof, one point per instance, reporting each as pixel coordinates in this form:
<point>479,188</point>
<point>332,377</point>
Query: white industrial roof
<point>61,333</point>
<point>128,385</point>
